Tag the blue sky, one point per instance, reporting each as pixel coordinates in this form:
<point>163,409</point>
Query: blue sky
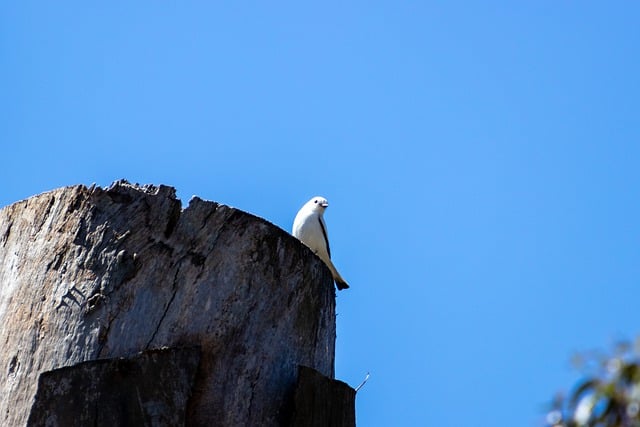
<point>481,160</point>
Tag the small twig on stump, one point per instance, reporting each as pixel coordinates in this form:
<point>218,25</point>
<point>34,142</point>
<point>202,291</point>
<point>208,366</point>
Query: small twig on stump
<point>363,382</point>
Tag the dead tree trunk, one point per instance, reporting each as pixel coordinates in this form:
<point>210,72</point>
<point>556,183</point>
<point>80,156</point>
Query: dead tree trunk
<point>91,273</point>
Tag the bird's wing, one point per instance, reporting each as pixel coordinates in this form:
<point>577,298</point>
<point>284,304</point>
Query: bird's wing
<point>324,233</point>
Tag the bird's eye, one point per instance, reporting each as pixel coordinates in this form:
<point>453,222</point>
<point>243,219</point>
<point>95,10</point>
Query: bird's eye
<point>315,201</point>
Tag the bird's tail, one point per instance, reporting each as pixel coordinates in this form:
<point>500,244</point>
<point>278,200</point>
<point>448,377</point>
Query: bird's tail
<point>340,282</point>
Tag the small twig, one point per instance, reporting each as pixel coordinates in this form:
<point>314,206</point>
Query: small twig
<point>363,382</point>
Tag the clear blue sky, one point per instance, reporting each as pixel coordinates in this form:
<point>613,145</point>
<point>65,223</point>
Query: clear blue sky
<point>482,161</point>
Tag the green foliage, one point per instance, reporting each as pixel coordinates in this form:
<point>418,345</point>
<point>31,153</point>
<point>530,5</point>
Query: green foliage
<point>607,396</point>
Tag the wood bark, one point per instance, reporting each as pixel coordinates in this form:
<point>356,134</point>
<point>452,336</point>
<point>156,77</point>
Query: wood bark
<point>150,389</point>
<point>92,273</point>
<point>320,401</point>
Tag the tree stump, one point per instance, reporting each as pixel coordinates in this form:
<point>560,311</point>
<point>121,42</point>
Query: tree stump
<point>92,273</point>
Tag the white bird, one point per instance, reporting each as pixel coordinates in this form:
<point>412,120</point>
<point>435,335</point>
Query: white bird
<point>310,229</point>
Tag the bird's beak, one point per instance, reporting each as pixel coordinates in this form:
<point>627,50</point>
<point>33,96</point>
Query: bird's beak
<point>324,205</point>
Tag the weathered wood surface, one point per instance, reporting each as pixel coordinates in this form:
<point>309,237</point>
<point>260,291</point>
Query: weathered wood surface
<point>322,402</point>
<point>90,273</point>
<point>150,389</point>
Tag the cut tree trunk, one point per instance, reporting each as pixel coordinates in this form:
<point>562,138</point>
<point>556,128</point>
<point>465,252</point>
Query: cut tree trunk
<point>92,273</point>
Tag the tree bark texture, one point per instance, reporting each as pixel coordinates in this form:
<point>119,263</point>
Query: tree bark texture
<point>150,389</point>
<point>92,273</point>
<point>321,402</point>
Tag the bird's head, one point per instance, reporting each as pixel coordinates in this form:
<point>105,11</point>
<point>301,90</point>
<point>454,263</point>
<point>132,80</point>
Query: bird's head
<point>318,204</point>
